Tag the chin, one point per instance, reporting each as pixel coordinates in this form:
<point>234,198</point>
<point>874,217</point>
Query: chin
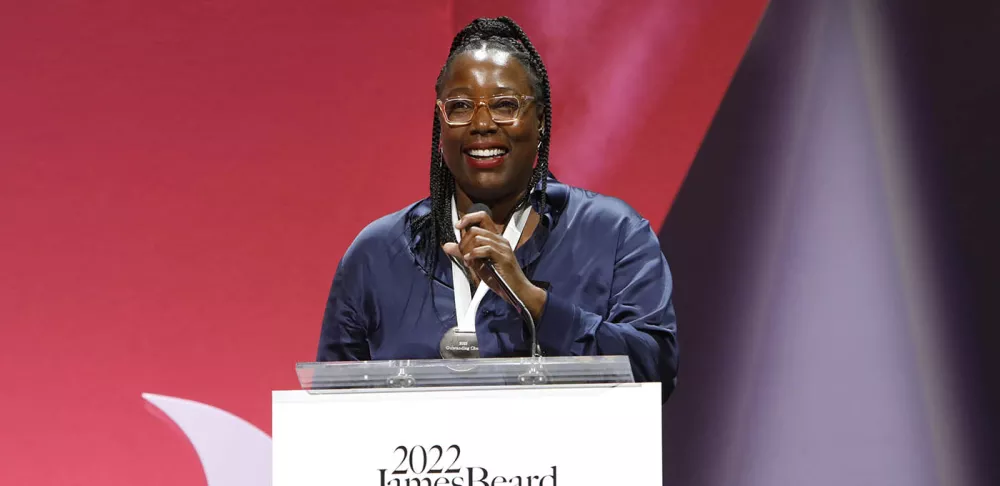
<point>488,188</point>
<point>487,185</point>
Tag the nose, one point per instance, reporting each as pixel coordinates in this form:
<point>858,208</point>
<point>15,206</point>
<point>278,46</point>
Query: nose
<point>482,121</point>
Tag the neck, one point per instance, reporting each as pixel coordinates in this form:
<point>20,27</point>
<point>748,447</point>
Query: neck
<point>501,208</point>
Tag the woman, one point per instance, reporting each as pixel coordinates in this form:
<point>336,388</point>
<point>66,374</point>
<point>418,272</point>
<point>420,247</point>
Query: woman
<point>587,268</point>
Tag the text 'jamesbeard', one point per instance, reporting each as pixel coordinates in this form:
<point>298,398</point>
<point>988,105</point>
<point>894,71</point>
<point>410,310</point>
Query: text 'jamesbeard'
<point>474,476</point>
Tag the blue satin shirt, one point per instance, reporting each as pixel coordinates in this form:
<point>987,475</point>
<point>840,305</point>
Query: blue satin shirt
<point>608,283</point>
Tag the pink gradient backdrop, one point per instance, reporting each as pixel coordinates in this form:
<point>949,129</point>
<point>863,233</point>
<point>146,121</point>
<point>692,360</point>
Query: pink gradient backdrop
<point>179,179</point>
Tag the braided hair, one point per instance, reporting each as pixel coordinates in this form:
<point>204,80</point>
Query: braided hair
<point>505,35</point>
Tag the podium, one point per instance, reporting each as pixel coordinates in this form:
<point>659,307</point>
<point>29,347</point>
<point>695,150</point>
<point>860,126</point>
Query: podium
<point>494,421</point>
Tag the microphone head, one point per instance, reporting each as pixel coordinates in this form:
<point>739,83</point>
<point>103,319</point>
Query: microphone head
<point>477,207</point>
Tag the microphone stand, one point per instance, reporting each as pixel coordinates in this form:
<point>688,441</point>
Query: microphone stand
<point>522,310</point>
<point>534,375</point>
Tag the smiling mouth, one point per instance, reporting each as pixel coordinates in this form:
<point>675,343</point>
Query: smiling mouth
<point>486,154</point>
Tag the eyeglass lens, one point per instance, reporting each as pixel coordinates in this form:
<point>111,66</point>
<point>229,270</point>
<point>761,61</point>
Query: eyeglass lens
<point>501,108</point>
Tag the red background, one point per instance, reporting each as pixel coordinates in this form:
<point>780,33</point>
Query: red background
<point>178,180</point>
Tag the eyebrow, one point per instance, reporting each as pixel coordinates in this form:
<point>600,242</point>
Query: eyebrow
<point>500,90</point>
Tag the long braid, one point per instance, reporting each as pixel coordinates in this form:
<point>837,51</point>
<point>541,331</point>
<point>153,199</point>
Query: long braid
<point>541,171</point>
<point>442,188</point>
<point>501,33</point>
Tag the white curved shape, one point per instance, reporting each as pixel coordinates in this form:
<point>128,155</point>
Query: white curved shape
<point>233,452</point>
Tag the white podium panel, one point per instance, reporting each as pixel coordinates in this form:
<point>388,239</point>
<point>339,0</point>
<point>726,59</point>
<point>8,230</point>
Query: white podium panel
<point>469,436</point>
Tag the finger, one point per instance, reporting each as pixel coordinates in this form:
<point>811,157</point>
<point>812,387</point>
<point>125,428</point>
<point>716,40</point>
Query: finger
<point>484,233</point>
<point>499,254</point>
<point>485,252</point>
<point>501,245</point>
<point>452,249</point>
<point>477,218</point>
<point>468,242</point>
<point>469,238</point>
<point>477,260</point>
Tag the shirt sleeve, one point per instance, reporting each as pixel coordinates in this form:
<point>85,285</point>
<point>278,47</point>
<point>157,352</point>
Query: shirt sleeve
<point>640,322</point>
<point>344,336</point>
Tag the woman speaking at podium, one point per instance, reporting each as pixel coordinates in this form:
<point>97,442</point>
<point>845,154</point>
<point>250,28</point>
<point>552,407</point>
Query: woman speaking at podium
<point>501,254</point>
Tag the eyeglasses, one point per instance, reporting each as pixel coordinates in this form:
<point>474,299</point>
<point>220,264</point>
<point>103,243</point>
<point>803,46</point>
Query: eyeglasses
<point>503,109</point>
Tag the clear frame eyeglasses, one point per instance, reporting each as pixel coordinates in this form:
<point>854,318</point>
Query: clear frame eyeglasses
<point>504,109</point>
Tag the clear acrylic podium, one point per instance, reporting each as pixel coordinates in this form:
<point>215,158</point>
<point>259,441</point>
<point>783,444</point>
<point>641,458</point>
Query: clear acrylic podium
<point>586,370</point>
<point>490,421</point>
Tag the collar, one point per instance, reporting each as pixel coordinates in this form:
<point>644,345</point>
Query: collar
<point>557,198</point>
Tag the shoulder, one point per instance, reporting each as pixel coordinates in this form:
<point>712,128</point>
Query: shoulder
<point>607,222</point>
<point>386,235</point>
<point>587,207</point>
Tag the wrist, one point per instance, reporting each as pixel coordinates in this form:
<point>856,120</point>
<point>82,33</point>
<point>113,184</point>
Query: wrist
<point>534,299</point>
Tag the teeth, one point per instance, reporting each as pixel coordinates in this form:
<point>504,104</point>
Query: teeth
<point>492,152</point>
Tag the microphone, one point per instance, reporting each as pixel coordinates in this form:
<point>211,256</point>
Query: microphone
<point>519,306</point>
